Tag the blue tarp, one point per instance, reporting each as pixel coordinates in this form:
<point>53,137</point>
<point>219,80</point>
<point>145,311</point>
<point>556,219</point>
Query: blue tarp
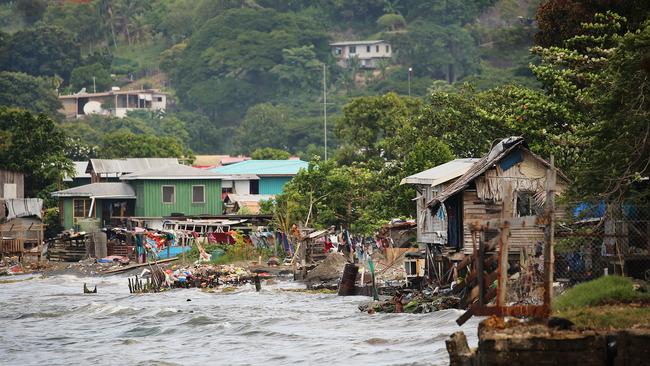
<point>173,252</point>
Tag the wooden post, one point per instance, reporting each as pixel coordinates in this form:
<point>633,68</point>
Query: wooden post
<point>506,215</point>
<point>502,284</point>
<point>549,233</point>
<point>479,268</point>
<point>303,259</point>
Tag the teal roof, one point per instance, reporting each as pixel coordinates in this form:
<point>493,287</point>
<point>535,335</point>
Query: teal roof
<point>263,167</point>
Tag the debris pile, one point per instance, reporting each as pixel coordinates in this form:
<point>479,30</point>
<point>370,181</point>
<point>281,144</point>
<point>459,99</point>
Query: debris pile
<point>207,276</point>
<point>328,272</point>
<point>425,301</point>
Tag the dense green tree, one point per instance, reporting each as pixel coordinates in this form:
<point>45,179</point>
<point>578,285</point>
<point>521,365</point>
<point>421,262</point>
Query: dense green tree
<point>35,94</point>
<point>391,21</point>
<point>269,153</point>
<point>445,51</point>
<point>226,65</point>
<point>368,121</point>
<point>95,78</point>
<point>559,20</point>
<point>122,144</point>
<point>298,72</point>
<point>34,145</point>
<point>31,10</point>
<point>78,18</point>
<point>43,51</point>
<point>263,126</point>
<point>326,194</point>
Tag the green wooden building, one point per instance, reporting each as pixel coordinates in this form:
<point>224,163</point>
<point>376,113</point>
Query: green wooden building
<point>151,193</point>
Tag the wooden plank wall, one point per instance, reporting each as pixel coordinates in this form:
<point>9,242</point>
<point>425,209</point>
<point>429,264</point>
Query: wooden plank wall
<point>12,178</point>
<point>474,209</point>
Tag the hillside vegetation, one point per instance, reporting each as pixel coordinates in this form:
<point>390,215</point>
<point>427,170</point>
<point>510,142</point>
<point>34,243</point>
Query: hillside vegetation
<point>225,61</point>
<point>245,76</point>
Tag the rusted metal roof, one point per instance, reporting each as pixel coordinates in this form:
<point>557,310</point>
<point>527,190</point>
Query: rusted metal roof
<point>501,149</point>
<point>498,152</point>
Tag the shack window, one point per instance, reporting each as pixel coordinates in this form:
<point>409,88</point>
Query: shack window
<point>387,48</point>
<point>254,187</point>
<point>198,194</point>
<point>168,194</point>
<point>338,51</point>
<point>527,205</point>
<point>81,207</point>
<point>368,49</point>
<point>159,99</point>
<point>377,48</point>
<point>353,49</point>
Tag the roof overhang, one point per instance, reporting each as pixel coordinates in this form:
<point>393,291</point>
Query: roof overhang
<point>124,177</point>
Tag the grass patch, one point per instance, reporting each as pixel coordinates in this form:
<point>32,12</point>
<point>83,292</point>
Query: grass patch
<point>604,290</point>
<point>145,54</point>
<point>608,316</point>
<point>609,302</point>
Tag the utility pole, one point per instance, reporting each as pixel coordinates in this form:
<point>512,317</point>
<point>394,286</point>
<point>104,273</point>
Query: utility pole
<point>325,107</point>
<point>410,72</point>
<point>94,86</point>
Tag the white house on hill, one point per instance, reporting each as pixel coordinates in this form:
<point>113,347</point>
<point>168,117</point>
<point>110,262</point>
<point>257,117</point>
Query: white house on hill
<point>367,52</point>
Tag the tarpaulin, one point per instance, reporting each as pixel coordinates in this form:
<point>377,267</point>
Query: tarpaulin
<point>24,207</point>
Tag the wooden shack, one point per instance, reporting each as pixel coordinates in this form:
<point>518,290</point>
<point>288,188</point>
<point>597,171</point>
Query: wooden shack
<point>432,226</point>
<point>508,182</point>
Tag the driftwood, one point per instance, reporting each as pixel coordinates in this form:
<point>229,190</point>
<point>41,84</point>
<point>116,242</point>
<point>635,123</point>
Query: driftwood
<point>126,268</point>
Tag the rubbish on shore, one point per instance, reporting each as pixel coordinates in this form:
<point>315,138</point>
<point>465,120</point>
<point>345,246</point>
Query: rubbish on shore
<point>87,290</point>
<point>412,302</point>
<point>114,259</point>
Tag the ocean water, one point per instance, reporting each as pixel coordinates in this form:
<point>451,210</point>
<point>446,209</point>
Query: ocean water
<point>49,321</point>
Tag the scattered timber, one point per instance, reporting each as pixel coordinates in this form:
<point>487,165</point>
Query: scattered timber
<point>126,268</point>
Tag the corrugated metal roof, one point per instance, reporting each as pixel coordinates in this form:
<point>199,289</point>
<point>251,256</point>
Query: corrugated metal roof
<point>356,43</point>
<point>317,234</point>
<point>80,171</point>
<point>498,152</point>
<point>129,165</point>
<point>98,190</point>
<point>264,167</point>
<point>501,149</point>
<point>441,173</point>
<point>177,171</point>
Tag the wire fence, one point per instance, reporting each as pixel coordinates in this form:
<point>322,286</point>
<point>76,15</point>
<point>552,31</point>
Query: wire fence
<point>604,240</point>
<point>593,241</point>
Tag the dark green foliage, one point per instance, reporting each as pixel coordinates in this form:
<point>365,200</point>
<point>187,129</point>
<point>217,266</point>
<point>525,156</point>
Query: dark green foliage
<point>269,153</point>
<point>94,77</point>
<point>43,51</point>
<point>122,144</point>
<point>560,20</point>
<point>141,133</point>
<point>34,145</point>
<point>227,64</point>
<point>24,91</point>
<point>31,10</point>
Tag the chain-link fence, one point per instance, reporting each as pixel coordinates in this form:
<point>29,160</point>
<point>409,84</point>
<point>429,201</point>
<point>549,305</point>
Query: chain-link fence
<point>603,239</point>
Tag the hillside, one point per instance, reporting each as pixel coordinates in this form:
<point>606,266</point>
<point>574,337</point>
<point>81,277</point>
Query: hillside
<point>225,61</point>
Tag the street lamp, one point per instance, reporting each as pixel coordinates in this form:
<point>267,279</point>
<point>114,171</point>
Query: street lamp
<point>410,72</point>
